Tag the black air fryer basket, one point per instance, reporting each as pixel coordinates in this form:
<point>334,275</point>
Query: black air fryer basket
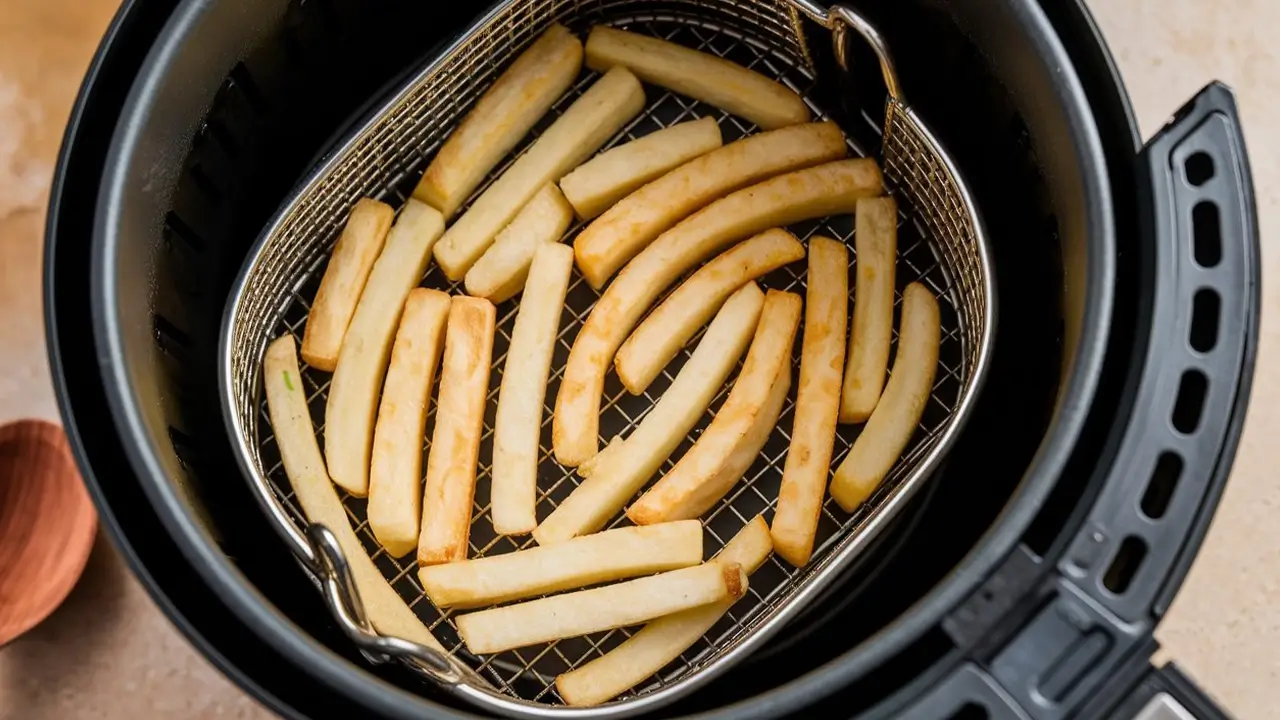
<point>1025,578</point>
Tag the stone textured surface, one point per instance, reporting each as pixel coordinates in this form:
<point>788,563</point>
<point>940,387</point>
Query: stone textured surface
<point>108,653</point>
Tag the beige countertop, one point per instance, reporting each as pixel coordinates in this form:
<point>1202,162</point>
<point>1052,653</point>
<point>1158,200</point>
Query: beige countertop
<point>109,653</point>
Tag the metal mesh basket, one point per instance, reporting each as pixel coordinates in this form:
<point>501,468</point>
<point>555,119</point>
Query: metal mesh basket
<point>941,244</point>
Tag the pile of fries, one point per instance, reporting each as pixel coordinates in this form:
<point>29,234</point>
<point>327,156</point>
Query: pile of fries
<point>678,203</point>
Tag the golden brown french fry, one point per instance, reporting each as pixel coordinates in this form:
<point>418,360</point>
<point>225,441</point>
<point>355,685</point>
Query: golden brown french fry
<point>894,421</point>
<point>500,273</point>
<point>611,555</point>
<point>615,475</point>
<point>296,440</point>
<point>701,76</point>
<point>589,122</point>
<point>455,444</point>
<point>362,363</point>
<point>614,238</point>
<point>704,474</point>
<point>659,338</point>
<point>612,175</point>
<point>805,194</point>
<point>605,608</point>
<point>518,424</point>
<point>395,475</point>
<point>876,242</point>
<point>813,433</point>
<point>664,639</point>
<point>506,112</point>
<point>357,248</point>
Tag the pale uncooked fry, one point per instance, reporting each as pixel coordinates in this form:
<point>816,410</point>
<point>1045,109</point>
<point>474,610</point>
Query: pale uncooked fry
<point>701,76</point>
<point>876,243</point>
<point>663,640</point>
<point>898,413</point>
<point>815,192</point>
<point>625,229</point>
<point>455,443</point>
<point>611,555</point>
<point>659,338</point>
<point>362,363</point>
<point>704,474</point>
<point>357,248</point>
<point>296,441</point>
<point>518,424</point>
<point>395,473</point>
<point>610,176</point>
<point>813,432</point>
<point>500,273</point>
<point>589,122</point>
<point>615,475</point>
<point>521,95</point>
<point>599,609</point>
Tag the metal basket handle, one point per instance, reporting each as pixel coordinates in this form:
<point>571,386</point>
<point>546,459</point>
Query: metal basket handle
<point>840,19</point>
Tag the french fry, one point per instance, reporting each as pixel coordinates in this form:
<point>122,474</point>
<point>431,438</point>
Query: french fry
<point>805,194</point>
<point>395,472</point>
<point>518,424</point>
<point>705,473</point>
<point>659,338</point>
<point>615,475</point>
<point>362,363</point>
<point>593,118</point>
<point>701,76</point>
<point>455,443</point>
<point>611,555</point>
<point>506,112</point>
<point>813,433</point>
<point>898,413</point>
<point>500,273</point>
<point>357,248</point>
<point>296,440</point>
<point>625,229</point>
<point>610,176</point>
<point>663,640</point>
<point>876,242</point>
<point>599,609</point>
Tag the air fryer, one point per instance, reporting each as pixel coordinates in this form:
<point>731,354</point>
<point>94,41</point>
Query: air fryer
<point>1025,581</point>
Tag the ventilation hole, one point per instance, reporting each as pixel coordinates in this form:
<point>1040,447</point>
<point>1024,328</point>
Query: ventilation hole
<point>1189,406</point>
<point>174,226</point>
<point>1208,234</point>
<point>970,711</point>
<point>1199,169</point>
<point>171,339</point>
<point>1125,565</point>
<point>1155,501</point>
<point>1204,320</point>
<point>242,79</point>
<point>181,446</point>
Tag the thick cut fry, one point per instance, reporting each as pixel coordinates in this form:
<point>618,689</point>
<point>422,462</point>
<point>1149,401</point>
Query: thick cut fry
<point>518,424</point>
<point>605,608</point>
<point>362,363</point>
<point>705,473</point>
<point>395,474</point>
<point>625,229</point>
<point>664,639</point>
<point>607,178</point>
<point>812,193</point>
<point>593,118</point>
<point>813,433</point>
<point>506,112</point>
<point>896,416</point>
<point>296,440</point>
<point>657,340</point>
<point>611,555</point>
<point>344,279</point>
<point>455,444</point>
<point>701,76</point>
<point>500,273</point>
<point>876,242</point>
<point>615,475</point>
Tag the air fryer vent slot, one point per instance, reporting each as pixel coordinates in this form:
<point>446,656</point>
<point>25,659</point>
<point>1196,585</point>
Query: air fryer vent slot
<point>1164,480</point>
<point>1199,168</point>
<point>1189,406</point>
<point>1125,565</point>
<point>1207,231</point>
<point>1205,310</point>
